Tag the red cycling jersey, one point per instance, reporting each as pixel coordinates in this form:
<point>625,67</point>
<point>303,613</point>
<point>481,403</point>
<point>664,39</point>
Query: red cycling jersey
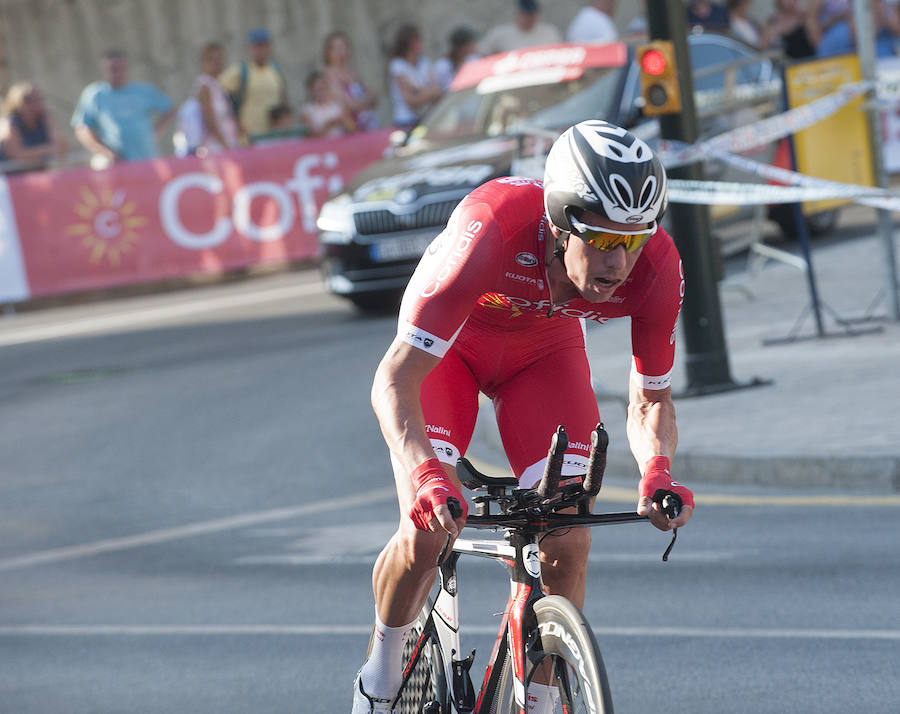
<point>480,299</point>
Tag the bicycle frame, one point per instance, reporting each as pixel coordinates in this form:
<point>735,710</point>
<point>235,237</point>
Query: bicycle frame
<point>521,556</point>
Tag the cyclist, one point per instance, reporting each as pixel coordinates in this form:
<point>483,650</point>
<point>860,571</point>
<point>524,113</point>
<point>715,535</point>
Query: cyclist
<point>489,308</point>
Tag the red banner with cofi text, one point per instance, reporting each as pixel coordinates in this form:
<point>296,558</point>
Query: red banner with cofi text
<point>80,229</point>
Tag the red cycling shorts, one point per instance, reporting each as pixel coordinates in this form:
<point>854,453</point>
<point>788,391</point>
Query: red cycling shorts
<point>537,379</point>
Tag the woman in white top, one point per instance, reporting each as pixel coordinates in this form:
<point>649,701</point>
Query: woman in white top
<point>413,87</point>
<point>744,27</point>
<point>219,128</point>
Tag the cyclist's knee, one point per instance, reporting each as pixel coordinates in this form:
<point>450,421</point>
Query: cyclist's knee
<point>419,549</point>
<point>568,549</point>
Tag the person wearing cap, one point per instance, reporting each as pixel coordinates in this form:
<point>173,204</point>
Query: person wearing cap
<point>526,31</point>
<point>255,85</point>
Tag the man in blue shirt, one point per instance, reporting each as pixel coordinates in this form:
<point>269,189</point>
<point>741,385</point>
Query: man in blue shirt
<point>116,119</point>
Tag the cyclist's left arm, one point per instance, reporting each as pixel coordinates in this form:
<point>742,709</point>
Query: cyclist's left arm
<point>653,436</point>
<point>651,426</point>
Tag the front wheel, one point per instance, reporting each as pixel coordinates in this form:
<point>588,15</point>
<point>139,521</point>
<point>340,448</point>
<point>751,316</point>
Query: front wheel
<point>562,648</point>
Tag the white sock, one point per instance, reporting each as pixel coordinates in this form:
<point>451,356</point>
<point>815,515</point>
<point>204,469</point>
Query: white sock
<point>541,698</point>
<point>382,674</point>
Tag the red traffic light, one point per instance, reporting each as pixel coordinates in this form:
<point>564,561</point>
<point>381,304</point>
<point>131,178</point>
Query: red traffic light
<point>653,62</point>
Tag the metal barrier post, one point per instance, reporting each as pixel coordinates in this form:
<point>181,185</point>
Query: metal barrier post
<point>865,48</point>
<point>706,362</point>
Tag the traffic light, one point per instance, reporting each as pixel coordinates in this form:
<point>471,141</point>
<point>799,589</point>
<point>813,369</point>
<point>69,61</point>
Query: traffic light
<point>659,78</point>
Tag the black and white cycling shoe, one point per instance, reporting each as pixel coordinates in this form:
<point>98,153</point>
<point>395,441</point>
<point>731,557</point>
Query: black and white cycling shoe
<point>364,704</point>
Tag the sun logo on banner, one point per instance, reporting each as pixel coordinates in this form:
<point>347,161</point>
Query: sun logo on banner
<point>110,225</point>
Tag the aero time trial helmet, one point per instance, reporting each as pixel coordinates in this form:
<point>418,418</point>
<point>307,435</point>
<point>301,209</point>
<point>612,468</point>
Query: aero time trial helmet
<point>600,167</point>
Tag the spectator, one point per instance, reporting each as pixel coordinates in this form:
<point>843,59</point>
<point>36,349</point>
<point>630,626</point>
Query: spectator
<point>255,86</point>
<point>206,122</point>
<point>744,27</point>
<point>593,23</point>
<point>28,135</point>
<point>637,27</point>
<point>463,47</point>
<point>709,15</point>
<point>281,119</point>
<point>831,27</point>
<point>787,29</point>
<point>345,82</point>
<point>117,119</point>
<point>282,127</point>
<point>526,31</point>
<point>323,114</point>
<point>412,84</point>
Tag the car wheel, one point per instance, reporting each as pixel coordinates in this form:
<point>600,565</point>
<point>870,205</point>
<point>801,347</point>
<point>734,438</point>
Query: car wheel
<point>823,223</point>
<point>817,224</point>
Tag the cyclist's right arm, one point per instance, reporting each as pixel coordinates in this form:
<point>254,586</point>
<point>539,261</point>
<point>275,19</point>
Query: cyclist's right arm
<point>395,398</point>
<point>453,273</point>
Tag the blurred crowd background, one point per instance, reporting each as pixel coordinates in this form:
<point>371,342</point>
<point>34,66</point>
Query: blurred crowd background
<point>101,81</point>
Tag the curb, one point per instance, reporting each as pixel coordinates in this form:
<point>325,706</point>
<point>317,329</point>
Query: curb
<point>790,471</point>
<point>860,472</point>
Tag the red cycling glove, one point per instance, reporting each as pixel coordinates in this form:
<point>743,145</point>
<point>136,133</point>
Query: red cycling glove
<point>433,488</point>
<point>656,476</point>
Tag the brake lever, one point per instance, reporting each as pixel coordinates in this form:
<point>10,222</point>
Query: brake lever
<point>670,504</point>
<point>456,512</point>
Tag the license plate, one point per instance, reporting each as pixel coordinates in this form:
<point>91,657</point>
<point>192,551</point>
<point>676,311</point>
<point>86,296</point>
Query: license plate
<point>399,248</point>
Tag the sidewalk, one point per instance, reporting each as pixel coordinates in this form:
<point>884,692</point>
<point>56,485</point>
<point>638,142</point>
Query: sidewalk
<point>830,419</point>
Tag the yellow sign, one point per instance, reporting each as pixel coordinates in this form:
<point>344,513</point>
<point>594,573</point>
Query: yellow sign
<point>836,148</point>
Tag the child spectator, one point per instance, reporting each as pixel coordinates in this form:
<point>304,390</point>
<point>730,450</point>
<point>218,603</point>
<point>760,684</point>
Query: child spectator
<point>281,118</point>
<point>27,133</point>
<point>323,115</point>
<point>346,84</point>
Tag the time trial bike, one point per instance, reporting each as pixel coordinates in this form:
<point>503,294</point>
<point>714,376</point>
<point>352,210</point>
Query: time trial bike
<point>542,638</point>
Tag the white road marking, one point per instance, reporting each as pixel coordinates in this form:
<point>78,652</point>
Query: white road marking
<point>133,317</point>
<point>57,555</point>
<point>364,630</point>
<point>324,544</point>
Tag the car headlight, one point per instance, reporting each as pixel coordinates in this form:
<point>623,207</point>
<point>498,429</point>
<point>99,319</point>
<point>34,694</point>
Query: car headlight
<point>336,219</point>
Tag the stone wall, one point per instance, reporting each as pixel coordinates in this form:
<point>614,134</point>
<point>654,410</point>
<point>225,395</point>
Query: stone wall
<point>57,43</point>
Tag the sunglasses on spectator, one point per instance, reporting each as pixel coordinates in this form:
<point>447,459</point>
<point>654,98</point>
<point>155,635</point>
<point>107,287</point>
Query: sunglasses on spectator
<point>606,240</point>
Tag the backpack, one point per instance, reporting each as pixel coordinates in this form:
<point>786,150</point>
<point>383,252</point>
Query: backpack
<point>189,128</point>
<point>237,98</point>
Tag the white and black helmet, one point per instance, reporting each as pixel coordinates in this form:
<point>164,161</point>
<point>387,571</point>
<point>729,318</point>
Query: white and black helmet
<point>603,168</point>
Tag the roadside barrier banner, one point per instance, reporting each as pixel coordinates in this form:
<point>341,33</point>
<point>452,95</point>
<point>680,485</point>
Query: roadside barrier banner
<point>755,194</point>
<point>766,131</point>
<point>80,229</point>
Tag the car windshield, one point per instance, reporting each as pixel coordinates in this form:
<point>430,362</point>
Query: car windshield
<point>467,113</point>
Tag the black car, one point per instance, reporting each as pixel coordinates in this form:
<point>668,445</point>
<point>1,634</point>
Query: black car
<point>501,111</point>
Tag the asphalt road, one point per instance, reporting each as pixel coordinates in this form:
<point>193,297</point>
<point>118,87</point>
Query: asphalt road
<point>193,489</point>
